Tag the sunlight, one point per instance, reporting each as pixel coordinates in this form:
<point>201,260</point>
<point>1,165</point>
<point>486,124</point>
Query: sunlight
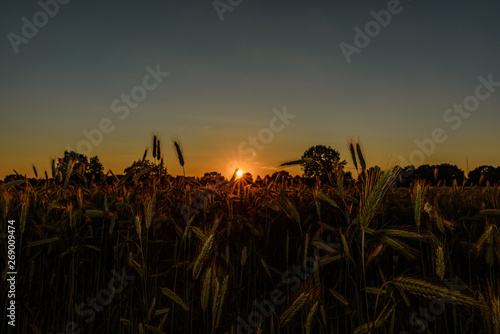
<point>239,173</point>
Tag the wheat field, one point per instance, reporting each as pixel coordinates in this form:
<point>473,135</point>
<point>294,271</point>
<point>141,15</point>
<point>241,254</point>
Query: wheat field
<point>147,253</point>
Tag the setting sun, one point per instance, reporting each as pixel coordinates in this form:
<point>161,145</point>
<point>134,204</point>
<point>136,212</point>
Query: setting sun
<point>239,173</point>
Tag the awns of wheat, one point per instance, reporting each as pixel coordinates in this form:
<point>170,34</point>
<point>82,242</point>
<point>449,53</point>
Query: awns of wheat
<point>205,251</point>
<point>429,291</point>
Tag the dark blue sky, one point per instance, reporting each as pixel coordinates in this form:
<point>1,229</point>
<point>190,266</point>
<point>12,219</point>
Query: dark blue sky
<point>226,78</point>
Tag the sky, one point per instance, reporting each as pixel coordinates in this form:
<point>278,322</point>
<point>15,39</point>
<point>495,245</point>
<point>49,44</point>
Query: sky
<point>248,84</point>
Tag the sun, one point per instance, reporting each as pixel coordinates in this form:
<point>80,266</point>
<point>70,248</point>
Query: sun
<point>239,173</point>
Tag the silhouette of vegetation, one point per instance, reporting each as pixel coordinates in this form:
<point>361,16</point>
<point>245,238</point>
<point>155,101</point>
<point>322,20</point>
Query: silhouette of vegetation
<point>405,177</point>
<point>484,174</point>
<point>153,170</point>
<point>373,170</point>
<point>247,178</point>
<point>357,155</point>
<point>180,155</point>
<point>79,160</point>
<point>281,176</point>
<point>95,169</point>
<point>212,179</point>
<point>325,160</point>
<point>189,235</point>
<point>443,174</point>
<point>79,166</point>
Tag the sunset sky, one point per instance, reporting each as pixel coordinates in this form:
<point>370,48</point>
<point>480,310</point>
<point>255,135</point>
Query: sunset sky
<point>252,90</point>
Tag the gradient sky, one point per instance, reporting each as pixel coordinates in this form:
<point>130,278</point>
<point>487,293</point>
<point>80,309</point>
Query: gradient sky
<point>226,77</point>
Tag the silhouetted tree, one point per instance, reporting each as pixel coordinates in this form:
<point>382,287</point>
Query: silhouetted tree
<point>445,173</point>
<point>448,173</point>
<point>13,177</point>
<point>426,173</point>
<point>483,174</point>
<point>80,160</point>
<point>79,170</point>
<point>82,166</point>
<point>325,160</point>
<point>212,178</point>
<point>348,179</point>
<point>406,174</point>
<point>94,169</point>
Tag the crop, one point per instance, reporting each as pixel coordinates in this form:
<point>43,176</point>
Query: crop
<point>390,253</point>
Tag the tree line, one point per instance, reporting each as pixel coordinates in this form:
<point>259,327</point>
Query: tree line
<point>318,164</point>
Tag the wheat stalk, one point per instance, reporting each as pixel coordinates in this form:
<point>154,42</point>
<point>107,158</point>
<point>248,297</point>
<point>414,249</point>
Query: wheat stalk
<point>429,291</point>
<point>484,237</point>
<point>180,156</point>
<point>440,264</point>
<point>323,314</point>
<point>375,191</point>
<point>243,256</point>
<point>205,292</point>
<point>345,245</point>
<point>221,297</point>
<point>150,311</point>
<point>154,146</point>
<point>383,316</point>
<point>205,251</point>
<point>306,246</point>
<point>495,315</point>
<point>137,221</point>
<point>490,250</point>
<point>215,300</point>
<point>310,317</point>
<point>360,156</point>
<point>418,205</point>
<point>149,214</point>
<point>170,294</point>
<point>287,316</point>
<point>375,252</point>
<point>158,150</point>
<point>339,297</point>
<point>353,153</point>
<point>316,276</point>
<point>24,214</point>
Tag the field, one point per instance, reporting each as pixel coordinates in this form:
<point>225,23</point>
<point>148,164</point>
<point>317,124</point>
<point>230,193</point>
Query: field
<point>152,254</point>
